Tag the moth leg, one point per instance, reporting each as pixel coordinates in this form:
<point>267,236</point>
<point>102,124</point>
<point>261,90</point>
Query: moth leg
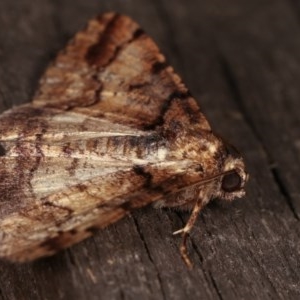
<point>186,230</point>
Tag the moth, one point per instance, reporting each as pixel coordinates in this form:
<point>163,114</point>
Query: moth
<point>111,128</point>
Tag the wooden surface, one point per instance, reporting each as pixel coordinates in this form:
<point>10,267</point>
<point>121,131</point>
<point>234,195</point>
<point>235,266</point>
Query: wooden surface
<point>241,60</point>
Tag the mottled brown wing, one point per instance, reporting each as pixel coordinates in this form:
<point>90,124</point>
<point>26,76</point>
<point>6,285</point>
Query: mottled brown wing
<point>41,226</point>
<point>63,174</point>
<point>99,139</point>
<point>113,70</point>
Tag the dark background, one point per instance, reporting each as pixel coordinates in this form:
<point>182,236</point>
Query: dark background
<point>241,60</point>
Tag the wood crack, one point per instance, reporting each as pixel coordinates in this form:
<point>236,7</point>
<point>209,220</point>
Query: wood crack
<point>284,191</point>
<point>215,286</point>
<point>150,257</point>
<point>3,100</point>
<point>162,11</point>
<point>238,99</point>
<point>195,249</point>
<point>231,82</point>
<point>1,295</point>
<point>295,8</point>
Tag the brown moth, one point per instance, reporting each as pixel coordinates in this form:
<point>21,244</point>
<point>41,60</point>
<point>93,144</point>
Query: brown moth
<point>111,128</point>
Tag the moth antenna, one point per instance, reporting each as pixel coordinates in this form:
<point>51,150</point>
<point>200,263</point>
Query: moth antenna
<point>208,179</point>
<point>186,230</point>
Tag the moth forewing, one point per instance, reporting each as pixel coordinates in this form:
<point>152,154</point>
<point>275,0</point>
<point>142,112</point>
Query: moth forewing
<point>110,129</point>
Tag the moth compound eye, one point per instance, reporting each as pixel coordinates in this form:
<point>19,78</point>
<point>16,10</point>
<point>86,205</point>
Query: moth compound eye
<point>231,182</point>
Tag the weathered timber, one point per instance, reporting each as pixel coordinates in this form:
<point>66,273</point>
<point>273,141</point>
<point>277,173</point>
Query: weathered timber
<point>242,61</point>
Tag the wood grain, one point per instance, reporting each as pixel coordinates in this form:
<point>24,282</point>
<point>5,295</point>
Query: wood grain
<point>242,61</point>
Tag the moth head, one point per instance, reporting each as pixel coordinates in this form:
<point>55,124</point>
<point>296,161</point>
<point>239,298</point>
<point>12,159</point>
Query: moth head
<point>233,180</point>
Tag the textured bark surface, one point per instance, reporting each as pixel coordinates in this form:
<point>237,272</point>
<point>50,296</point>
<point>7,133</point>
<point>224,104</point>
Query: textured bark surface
<point>242,61</point>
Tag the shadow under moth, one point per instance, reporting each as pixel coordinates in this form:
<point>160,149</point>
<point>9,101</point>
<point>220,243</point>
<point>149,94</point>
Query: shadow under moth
<point>110,129</point>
